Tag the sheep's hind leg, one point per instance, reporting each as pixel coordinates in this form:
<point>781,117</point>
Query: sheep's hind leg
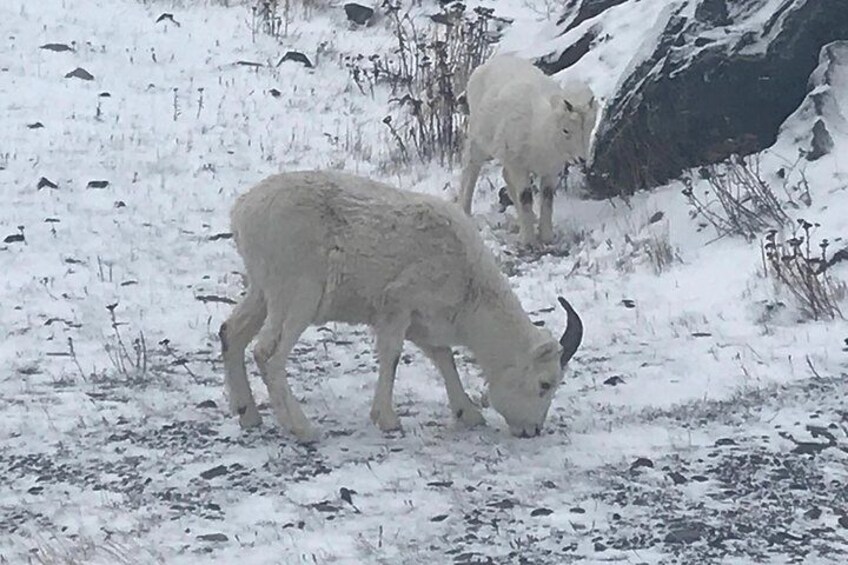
<point>235,334</point>
<point>546,228</point>
<point>276,340</point>
<point>461,406</point>
<point>521,192</point>
<point>472,164</point>
<point>390,336</point>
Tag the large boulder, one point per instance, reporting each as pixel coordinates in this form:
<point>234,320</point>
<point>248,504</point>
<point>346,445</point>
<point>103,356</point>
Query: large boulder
<point>721,79</point>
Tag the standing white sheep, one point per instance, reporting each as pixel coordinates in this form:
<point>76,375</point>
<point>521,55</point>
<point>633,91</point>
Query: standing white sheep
<point>531,125</point>
<point>328,246</point>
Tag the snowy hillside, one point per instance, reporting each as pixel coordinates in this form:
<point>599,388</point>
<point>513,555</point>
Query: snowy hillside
<point>704,418</point>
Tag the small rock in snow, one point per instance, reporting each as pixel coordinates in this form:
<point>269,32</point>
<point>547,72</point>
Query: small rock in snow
<point>57,47</point>
<point>657,216</point>
<point>297,57</point>
<point>358,14</point>
<point>677,478</point>
<point>822,142</point>
<point>641,462</point>
<point>167,17</point>
<point>217,536</point>
<point>541,512</point>
<point>346,494</point>
<point>439,518</point>
<point>813,513</point>
<point>685,535</point>
<point>504,504</point>
<point>45,182</point>
<point>503,198</point>
<point>80,73</point>
<point>216,471</point>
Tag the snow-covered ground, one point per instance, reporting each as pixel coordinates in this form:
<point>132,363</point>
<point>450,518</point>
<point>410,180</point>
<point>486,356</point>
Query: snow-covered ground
<point>694,425</point>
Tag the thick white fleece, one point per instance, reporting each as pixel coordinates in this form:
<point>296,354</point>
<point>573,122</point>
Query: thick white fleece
<point>324,246</point>
<point>531,125</point>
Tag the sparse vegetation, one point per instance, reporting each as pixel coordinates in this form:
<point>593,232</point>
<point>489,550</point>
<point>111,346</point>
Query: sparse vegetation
<point>273,17</point>
<point>661,254</point>
<point>653,248</point>
<point>738,200</point>
<point>55,550</point>
<point>426,75</point>
<point>129,362</point>
<point>797,267</point>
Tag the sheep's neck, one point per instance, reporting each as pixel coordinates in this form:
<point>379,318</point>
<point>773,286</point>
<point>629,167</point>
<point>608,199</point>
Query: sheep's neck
<point>553,137</point>
<point>497,334</point>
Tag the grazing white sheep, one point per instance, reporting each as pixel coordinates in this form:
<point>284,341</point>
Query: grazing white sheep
<point>322,246</point>
<point>531,125</point>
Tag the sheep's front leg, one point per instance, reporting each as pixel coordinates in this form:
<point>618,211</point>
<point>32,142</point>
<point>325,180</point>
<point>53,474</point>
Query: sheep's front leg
<point>390,336</point>
<point>276,340</point>
<point>235,334</point>
<point>462,407</point>
<point>521,192</point>
<point>473,160</point>
<point>546,228</point>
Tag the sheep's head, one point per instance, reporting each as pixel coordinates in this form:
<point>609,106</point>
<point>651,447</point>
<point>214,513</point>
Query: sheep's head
<point>575,113</point>
<point>523,395</point>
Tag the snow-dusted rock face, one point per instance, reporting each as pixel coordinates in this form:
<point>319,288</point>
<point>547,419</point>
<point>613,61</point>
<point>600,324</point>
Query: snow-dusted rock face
<point>821,122</point>
<point>713,77</point>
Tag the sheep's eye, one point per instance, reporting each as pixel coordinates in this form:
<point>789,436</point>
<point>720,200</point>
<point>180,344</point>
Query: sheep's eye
<point>545,386</point>
<point>565,131</point>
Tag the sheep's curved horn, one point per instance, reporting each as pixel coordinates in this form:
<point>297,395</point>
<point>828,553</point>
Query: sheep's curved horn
<point>573,334</point>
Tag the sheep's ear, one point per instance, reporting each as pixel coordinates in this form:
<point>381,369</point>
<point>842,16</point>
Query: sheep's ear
<point>558,103</point>
<point>547,352</point>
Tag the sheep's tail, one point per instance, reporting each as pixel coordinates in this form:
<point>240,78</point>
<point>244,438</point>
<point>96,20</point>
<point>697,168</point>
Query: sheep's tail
<point>236,218</point>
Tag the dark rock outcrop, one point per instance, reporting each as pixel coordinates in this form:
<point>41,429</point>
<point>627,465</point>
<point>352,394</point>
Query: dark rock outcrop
<point>571,54</point>
<point>720,80</point>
